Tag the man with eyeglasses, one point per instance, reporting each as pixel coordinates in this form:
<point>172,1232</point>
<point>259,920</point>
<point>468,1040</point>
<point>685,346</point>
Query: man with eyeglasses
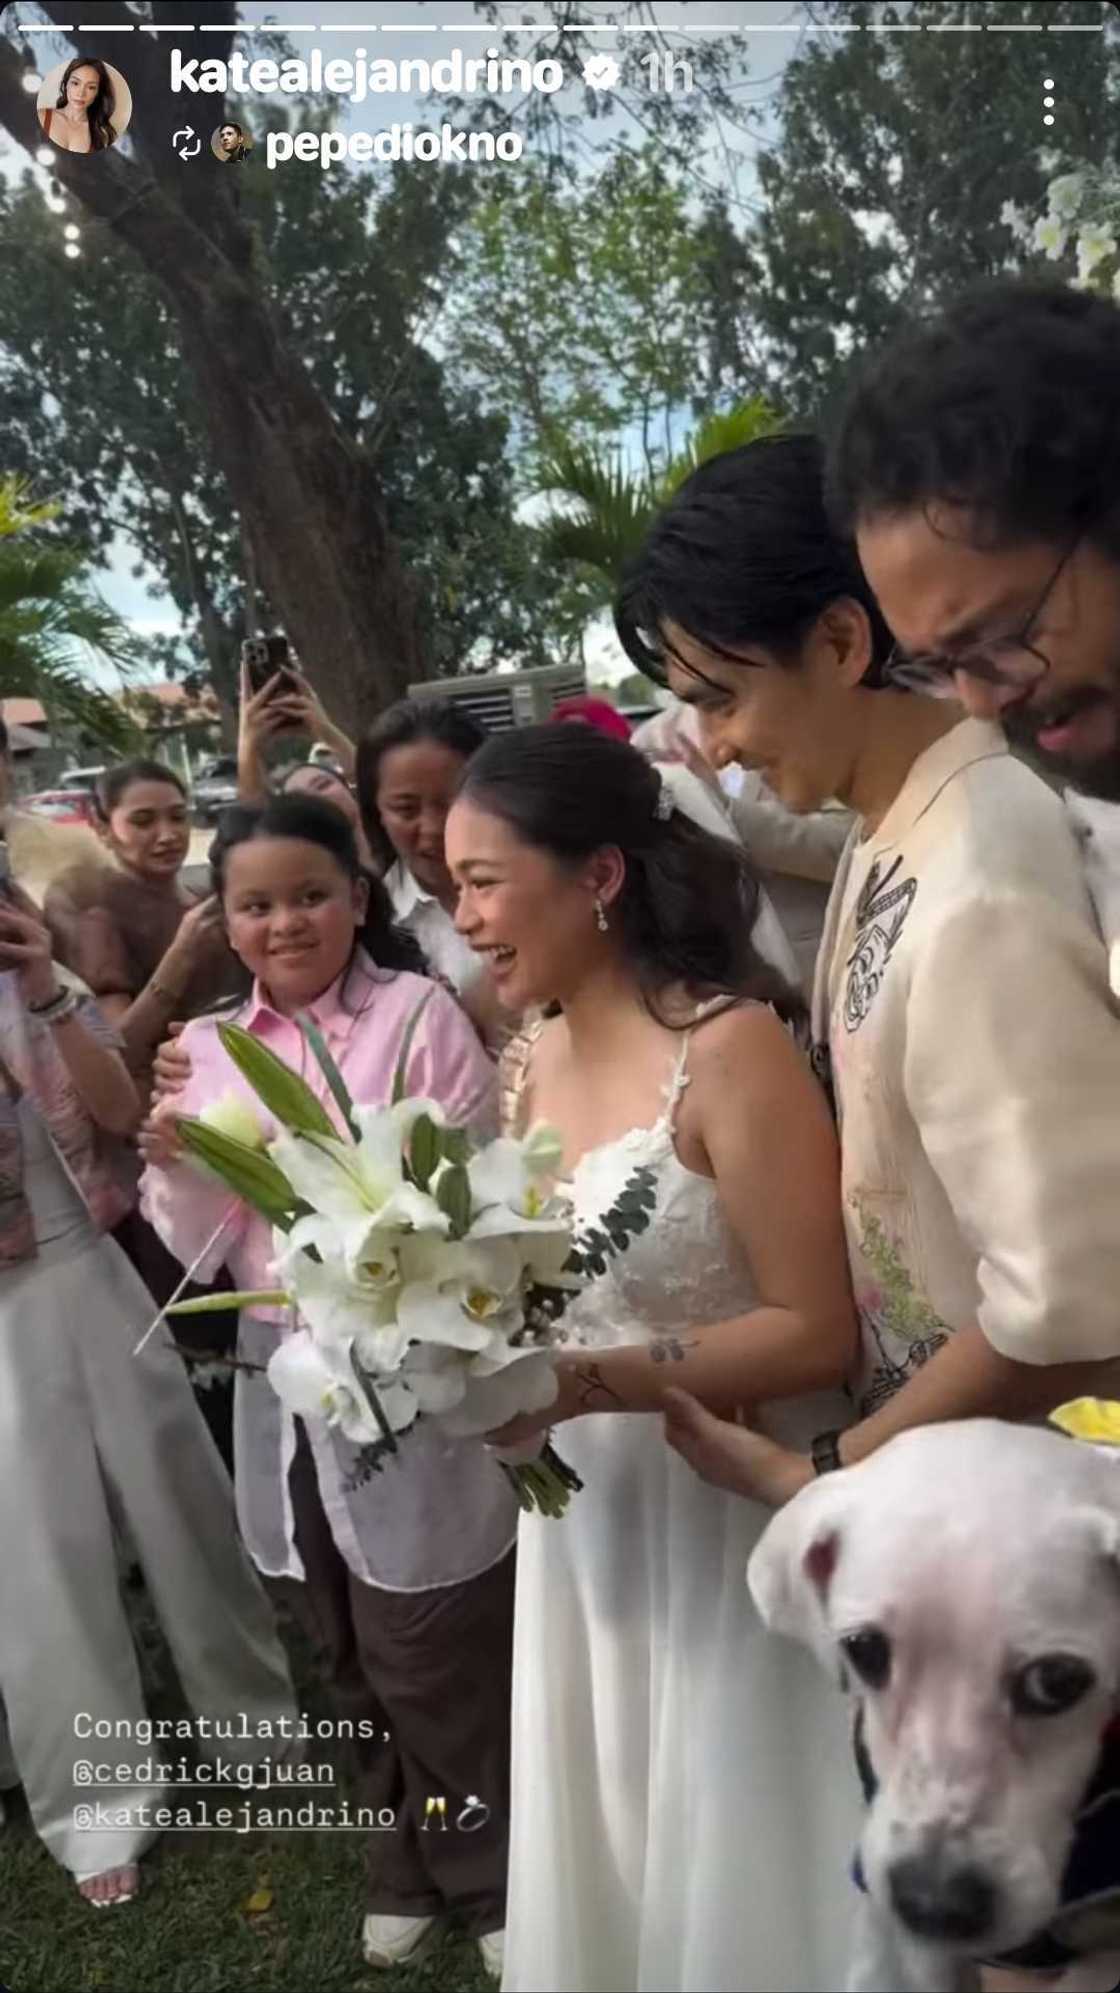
<point>979,465</point>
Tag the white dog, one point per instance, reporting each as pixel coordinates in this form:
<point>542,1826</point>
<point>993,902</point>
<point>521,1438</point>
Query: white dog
<point>965,1583</point>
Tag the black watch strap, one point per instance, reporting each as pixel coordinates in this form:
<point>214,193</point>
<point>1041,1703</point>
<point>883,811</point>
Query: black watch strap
<point>825,1453</point>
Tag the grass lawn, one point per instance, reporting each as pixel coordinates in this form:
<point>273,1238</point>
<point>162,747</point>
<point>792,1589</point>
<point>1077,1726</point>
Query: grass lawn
<point>190,1929</point>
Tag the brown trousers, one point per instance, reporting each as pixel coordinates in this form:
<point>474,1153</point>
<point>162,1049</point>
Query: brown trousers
<point>434,1669</point>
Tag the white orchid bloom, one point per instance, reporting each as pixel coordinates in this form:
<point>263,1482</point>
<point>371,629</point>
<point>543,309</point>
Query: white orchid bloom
<point>473,1296</point>
<point>1095,245</point>
<point>515,1173</point>
<point>231,1115</point>
<point>313,1382</point>
<point>1050,235</point>
<point>1065,196</point>
<point>526,1383</point>
<point>340,1310</point>
<point>437,1377</point>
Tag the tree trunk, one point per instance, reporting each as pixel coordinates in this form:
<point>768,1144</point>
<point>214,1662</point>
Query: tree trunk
<point>309,500</point>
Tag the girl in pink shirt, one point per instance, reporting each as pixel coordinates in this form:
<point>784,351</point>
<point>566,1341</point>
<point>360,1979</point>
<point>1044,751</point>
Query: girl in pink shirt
<point>408,1580</point>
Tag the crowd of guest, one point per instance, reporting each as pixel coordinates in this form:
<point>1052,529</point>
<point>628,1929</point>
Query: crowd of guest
<point>824,947</point>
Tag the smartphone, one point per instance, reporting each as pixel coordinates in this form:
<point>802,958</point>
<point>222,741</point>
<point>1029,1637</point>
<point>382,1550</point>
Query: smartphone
<point>263,658</point>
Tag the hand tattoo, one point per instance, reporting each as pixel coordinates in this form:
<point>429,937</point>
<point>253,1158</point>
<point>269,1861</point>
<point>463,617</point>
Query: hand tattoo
<point>670,1349</point>
<point>589,1379</point>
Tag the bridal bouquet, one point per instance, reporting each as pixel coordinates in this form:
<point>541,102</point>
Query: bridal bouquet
<point>428,1276</point>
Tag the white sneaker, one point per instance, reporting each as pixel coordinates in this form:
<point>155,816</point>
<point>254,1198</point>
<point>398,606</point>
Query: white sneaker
<point>391,1940</point>
<point>492,1951</point>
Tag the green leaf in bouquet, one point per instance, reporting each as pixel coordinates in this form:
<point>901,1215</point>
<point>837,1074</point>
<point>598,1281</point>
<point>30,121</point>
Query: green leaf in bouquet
<point>283,1092</point>
<point>400,1077</point>
<point>425,1150</point>
<point>327,1066</point>
<point>453,1195</point>
<point>456,1144</point>
<point>249,1173</point>
<point>249,1297</point>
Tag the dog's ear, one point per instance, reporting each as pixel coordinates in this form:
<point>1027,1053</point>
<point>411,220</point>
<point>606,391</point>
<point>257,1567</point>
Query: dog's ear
<point>791,1569</point>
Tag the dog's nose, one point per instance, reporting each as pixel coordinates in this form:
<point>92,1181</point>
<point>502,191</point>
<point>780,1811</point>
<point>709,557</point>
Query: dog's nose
<point>937,1897</point>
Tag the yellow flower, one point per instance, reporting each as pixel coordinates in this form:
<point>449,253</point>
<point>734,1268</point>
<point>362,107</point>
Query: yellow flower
<point>1094,1419</point>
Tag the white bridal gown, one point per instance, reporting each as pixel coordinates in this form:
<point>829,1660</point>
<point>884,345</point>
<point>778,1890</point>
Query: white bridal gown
<point>684,1801</point>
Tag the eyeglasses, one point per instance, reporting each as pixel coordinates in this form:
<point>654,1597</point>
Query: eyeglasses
<point>1012,660</point>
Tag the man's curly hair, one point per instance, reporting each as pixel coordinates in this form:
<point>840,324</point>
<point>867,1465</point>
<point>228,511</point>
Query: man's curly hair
<point>1007,403</point>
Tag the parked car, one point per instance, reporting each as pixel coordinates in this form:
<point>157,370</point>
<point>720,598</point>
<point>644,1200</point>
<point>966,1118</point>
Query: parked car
<point>82,779</point>
<point>215,789</point>
<point>61,805</point>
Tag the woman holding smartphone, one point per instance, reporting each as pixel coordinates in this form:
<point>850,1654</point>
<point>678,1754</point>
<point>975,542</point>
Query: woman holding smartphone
<point>91,1435</point>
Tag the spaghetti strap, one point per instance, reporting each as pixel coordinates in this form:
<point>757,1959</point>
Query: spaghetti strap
<point>679,1079</point>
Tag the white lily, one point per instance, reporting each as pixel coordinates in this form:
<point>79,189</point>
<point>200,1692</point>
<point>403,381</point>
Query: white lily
<point>1050,235</point>
<point>406,1114</point>
<point>360,1186</point>
<point>313,1382</point>
<point>1065,196</point>
<point>231,1115</point>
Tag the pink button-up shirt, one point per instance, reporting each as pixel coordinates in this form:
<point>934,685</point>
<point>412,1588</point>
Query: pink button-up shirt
<point>441,1511</point>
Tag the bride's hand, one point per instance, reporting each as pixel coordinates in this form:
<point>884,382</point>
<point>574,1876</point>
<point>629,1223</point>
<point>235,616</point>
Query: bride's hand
<point>733,1456</point>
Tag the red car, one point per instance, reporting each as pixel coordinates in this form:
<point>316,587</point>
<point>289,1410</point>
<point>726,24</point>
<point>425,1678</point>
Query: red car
<point>61,805</point>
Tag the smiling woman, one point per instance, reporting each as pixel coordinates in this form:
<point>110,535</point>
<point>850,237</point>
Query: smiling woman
<point>84,105</point>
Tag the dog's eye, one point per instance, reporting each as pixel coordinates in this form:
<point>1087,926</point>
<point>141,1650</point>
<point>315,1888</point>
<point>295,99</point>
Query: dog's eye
<point>869,1655</point>
<point>1050,1685</point>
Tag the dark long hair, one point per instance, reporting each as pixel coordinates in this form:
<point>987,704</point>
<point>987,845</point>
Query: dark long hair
<point>410,720</point>
<point>112,783</point>
<point>100,112</point>
<point>314,821</point>
<point>689,899</point>
<point>744,553</point>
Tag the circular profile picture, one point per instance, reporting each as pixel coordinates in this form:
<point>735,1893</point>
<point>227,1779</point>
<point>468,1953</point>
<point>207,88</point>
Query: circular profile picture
<point>230,142</point>
<point>84,105</point>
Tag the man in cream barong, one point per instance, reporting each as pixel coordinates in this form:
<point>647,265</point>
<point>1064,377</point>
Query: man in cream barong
<point>962,994</point>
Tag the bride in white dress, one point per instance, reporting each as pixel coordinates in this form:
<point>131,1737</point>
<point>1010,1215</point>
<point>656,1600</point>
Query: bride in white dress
<point>684,1807</point>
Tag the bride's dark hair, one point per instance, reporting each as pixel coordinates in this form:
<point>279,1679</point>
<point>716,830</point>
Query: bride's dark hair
<point>689,899</point>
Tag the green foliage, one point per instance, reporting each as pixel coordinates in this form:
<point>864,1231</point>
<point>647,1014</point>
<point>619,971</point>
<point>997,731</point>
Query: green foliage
<point>874,207</point>
<point>608,512</point>
<point>54,625</point>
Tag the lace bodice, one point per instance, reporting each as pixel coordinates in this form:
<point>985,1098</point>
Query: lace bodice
<point>687,1266</point>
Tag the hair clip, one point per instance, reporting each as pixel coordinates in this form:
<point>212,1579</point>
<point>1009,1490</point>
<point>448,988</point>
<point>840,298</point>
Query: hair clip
<point>664,806</point>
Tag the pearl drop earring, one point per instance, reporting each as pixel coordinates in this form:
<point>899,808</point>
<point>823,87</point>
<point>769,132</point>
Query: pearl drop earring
<point>601,921</point>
